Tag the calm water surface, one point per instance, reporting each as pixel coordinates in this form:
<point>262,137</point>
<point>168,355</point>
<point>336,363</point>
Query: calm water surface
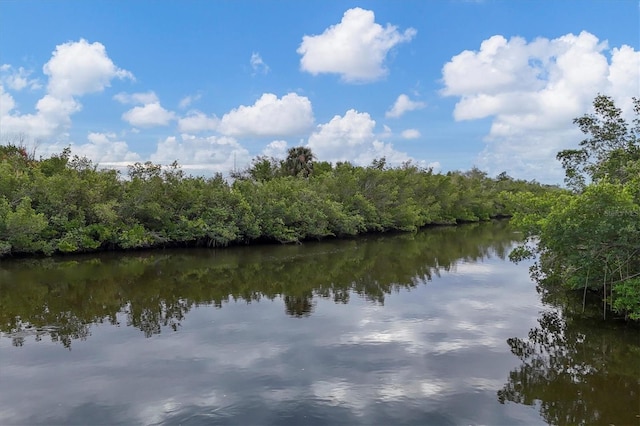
<point>436,328</point>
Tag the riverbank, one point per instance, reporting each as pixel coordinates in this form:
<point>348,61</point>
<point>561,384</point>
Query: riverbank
<point>66,204</point>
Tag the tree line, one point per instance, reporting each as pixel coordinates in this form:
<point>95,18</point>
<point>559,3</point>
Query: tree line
<point>67,204</point>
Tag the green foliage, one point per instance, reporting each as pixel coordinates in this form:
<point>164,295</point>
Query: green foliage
<point>591,239</point>
<point>627,299</point>
<point>22,228</point>
<point>612,149</point>
<point>262,169</point>
<point>299,162</point>
<point>56,163</point>
<point>5,246</point>
<point>66,204</point>
<point>135,237</point>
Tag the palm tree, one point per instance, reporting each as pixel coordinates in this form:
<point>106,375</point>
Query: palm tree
<point>299,161</point>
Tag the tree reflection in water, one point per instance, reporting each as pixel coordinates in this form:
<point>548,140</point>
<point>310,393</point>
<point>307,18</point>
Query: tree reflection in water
<point>575,373</point>
<point>299,306</point>
<point>153,290</point>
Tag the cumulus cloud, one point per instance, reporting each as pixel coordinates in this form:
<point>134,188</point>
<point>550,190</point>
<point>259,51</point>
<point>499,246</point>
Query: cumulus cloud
<point>403,104</point>
<point>52,116</point>
<point>624,76</point>
<point>352,129</point>
<point>197,122</point>
<point>269,116</point>
<point>411,134</point>
<point>78,68</point>
<point>276,149</point>
<point>75,69</point>
<point>532,91</point>
<point>210,154</point>
<point>257,64</point>
<point>351,138</point>
<point>57,111</point>
<point>148,115</point>
<point>105,149</point>
<point>356,48</point>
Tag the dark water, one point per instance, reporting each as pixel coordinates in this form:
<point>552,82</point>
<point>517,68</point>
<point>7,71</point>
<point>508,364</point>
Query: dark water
<point>430,328</point>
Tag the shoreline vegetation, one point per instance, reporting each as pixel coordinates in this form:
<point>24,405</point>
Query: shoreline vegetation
<point>588,240</point>
<point>67,204</point>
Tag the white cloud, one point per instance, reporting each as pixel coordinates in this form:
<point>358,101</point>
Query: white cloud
<point>53,116</point>
<point>197,122</point>
<point>276,149</point>
<point>356,48</point>
<point>258,65</point>
<point>211,154</point>
<point>352,129</point>
<point>18,79</point>
<point>7,103</point>
<point>149,115</point>
<point>77,68</point>
<point>403,104</point>
<point>269,116</point>
<point>352,138</point>
<point>57,111</point>
<point>411,134</point>
<point>380,149</point>
<point>624,76</point>
<point>499,65</point>
<point>105,148</point>
<point>136,98</point>
<point>532,91</point>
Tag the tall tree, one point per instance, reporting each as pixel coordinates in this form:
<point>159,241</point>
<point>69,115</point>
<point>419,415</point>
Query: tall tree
<point>610,152</point>
<point>299,161</point>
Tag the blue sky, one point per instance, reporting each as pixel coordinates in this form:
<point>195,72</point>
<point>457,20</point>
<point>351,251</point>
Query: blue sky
<point>448,84</point>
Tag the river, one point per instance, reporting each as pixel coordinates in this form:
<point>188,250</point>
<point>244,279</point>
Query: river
<point>436,327</point>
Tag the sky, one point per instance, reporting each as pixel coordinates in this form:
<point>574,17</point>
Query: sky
<point>447,84</point>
